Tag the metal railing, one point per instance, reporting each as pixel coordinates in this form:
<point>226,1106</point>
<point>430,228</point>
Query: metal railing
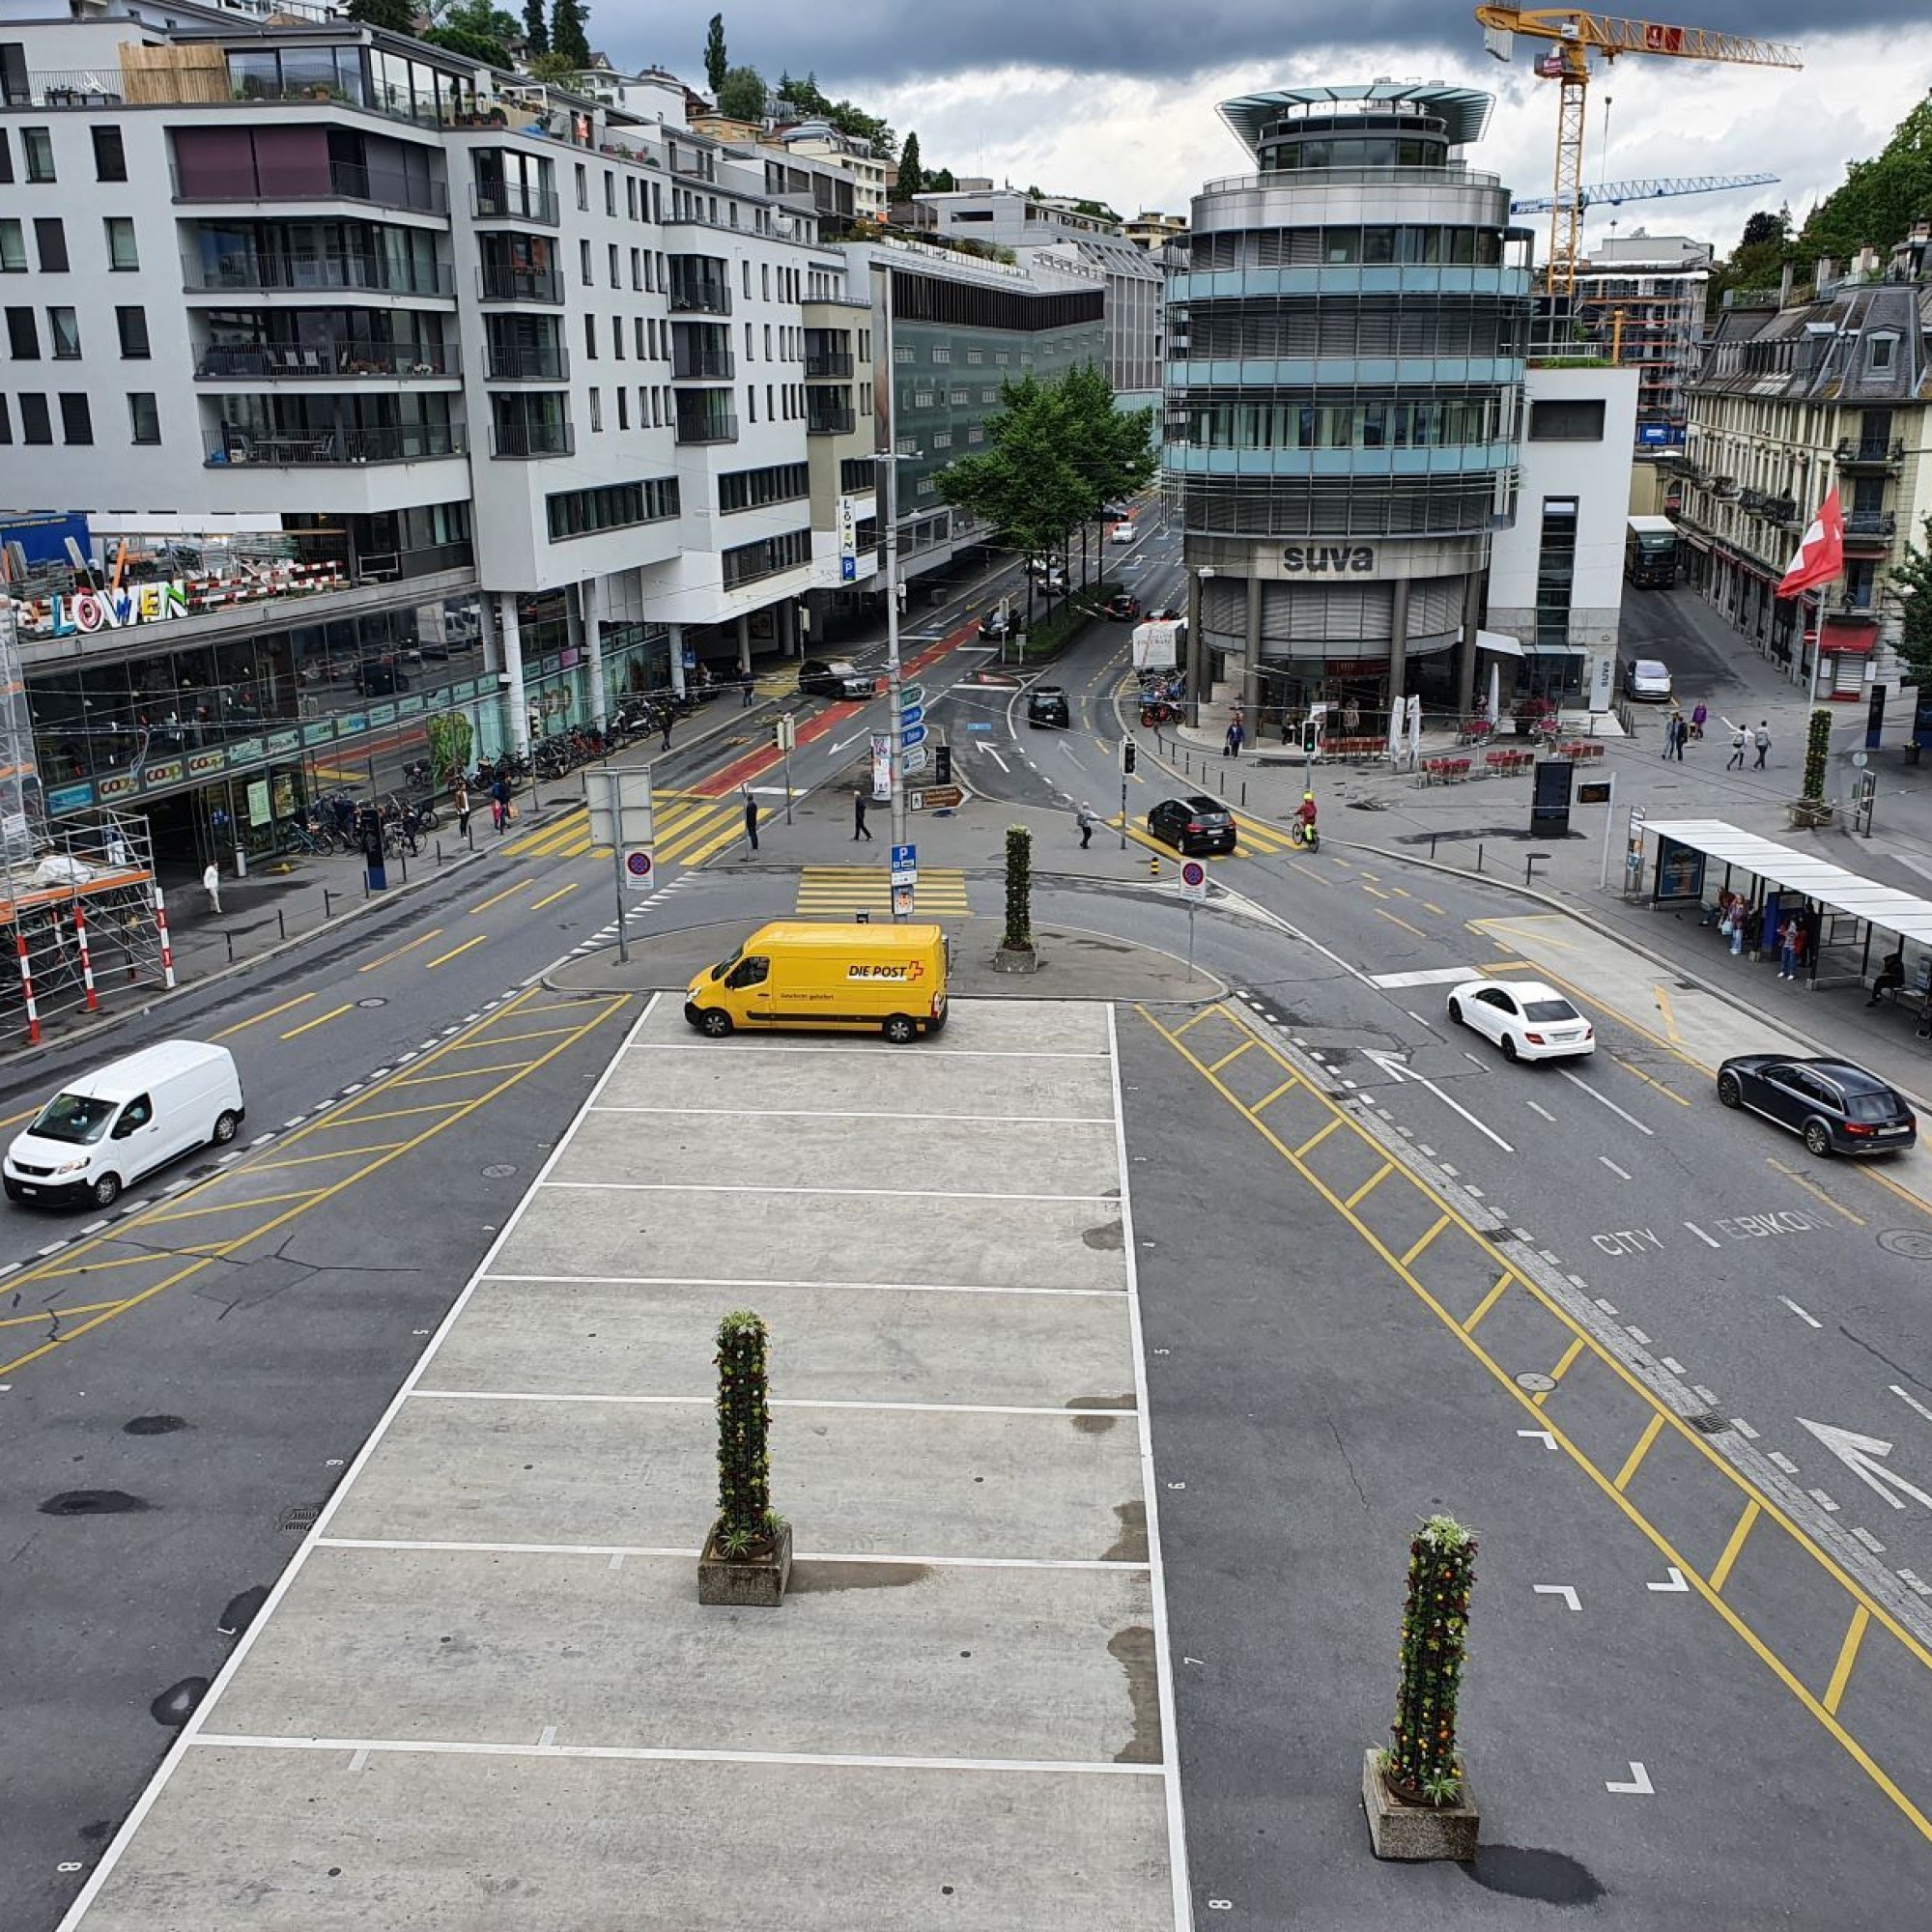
<point>63,87</point>
<point>828,365</point>
<point>391,566</point>
<point>222,362</point>
<point>348,180</point>
<point>1870,450</point>
<point>517,364</point>
<point>329,448</point>
<point>1875,525</point>
<point>513,200</point>
<point>300,273</point>
<point>700,297</point>
<point>521,439</point>
<point>707,426</point>
<point>497,282</point>
<point>690,364</point>
<point>838,419</point>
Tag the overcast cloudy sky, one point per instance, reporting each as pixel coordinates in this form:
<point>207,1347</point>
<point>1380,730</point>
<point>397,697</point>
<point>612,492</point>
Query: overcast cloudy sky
<point>1115,99</point>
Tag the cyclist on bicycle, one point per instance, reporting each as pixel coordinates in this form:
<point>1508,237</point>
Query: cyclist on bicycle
<point>1305,813</point>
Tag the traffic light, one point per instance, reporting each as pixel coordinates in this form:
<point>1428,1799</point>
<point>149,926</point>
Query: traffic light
<point>942,764</point>
<point>1129,751</point>
<point>1311,735</point>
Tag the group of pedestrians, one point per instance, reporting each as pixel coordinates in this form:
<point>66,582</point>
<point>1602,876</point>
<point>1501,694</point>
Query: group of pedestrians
<point>1680,731</point>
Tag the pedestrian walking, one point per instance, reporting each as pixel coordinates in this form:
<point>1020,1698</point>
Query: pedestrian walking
<point>1235,737</point>
<point>745,689</point>
<point>667,718</point>
<point>1761,738</point>
<point>862,799</point>
<point>1681,733</point>
<point>751,823</point>
<point>460,798</point>
<point>211,884</point>
<point>1739,740</point>
<point>499,803</point>
<point>1087,821</point>
<point>1697,717</point>
<point>1790,941</point>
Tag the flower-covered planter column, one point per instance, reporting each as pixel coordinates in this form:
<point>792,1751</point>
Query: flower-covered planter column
<point>1415,1791</point>
<point>747,1558</point>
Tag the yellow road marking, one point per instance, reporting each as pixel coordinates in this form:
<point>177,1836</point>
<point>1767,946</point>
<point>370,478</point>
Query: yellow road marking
<point>435,932</point>
<point>508,891</point>
<point>1271,1098</point>
<point>1487,1302</point>
<point>1534,936</point>
<point>1402,923</point>
<point>1561,1370</point>
<point>192,1214</point>
<point>1309,1146</point>
<point>555,895</point>
<point>1429,905</point>
<point>242,1025</point>
<point>1401,892</point>
<point>444,959</point>
<point>1662,1000</point>
<point>1650,1080</point>
<point>1721,1571</point>
<point>1373,892</point>
<point>1368,1186</point>
<point>56,1314</point>
<point>1848,1655</point>
<point>1187,1026</point>
<point>320,1019</point>
<point>345,1117</point>
<point>1709,1588</point>
<point>430,1079</point>
<point>1441,1222</point>
<point>1235,1055</point>
<point>1634,1461</point>
<point>310,1160</point>
<point>1812,1188</point>
<point>507,1039</point>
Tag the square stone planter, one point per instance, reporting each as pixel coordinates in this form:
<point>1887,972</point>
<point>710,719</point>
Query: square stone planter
<point>1413,1832</point>
<point>746,1582</point>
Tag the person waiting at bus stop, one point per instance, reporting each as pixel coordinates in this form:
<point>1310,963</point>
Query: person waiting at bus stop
<point>1890,975</point>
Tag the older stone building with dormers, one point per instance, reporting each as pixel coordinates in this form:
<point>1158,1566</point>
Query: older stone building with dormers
<point>1794,399</point>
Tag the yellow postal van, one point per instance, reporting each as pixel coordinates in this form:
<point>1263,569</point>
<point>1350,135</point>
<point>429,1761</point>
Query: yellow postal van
<point>843,978</point>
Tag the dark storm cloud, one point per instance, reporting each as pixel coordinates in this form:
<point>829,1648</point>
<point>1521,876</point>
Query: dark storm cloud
<point>850,41</point>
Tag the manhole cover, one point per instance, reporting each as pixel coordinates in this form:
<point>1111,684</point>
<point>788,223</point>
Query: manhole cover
<point>1708,1422</point>
<point>1913,1243</point>
<point>297,1518</point>
<point>373,1001</point>
<point>1535,1382</point>
<point>499,1172</point>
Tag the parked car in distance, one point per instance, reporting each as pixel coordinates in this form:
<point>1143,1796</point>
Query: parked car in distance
<point>1527,1019</point>
<point>1046,704</point>
<point>1835,1107</point>
<point>1647,680</point>
<point>1123,607</point>
<point>1122,533</point>
<point>835,677</point>
<point>1196,823</point>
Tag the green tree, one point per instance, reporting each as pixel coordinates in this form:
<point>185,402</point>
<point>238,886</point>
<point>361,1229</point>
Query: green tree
<point>475,28</point>
<point>568,20</point>
<point>940,182</point>
<point>398,17</point>
<point>1762,227</point>
<point>471,47</point>
<point>1881,198</point>
<point>553,69</point>
<point>536,30</point>
<point>742,96</point>
<point>1911,580</point>
<point>1758,260</point>
<point>717,63</point>
<point>912,177</point>
<point>1025,483</point>
<point>1112,451</point>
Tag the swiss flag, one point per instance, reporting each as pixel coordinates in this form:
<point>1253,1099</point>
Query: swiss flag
<point>1821,556</point>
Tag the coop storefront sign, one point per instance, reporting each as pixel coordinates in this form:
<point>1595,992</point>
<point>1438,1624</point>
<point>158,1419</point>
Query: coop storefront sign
<point>86,612</point>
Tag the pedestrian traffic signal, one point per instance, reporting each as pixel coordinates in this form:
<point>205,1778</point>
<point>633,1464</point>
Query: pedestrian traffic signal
<point>1311,734</point>
<point>942,764</point>
<point>1129,751</point>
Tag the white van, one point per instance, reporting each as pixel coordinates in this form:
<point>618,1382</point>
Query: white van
<point>106,1131</point>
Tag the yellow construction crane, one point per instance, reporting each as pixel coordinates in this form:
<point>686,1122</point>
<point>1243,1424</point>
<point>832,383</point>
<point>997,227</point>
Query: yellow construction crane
<point>1575,36</point>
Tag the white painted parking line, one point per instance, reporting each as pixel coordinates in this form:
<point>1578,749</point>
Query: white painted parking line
<point>594,1396</point>
<point>1701,1236</point>
<point>686,1553</point>
<point>1583,1085</point>
<point>843,1114</point>
<point>926,1050</point>
<point>1621,1172</point>
<point>1810,1321</point>
<point>754,1282</point>
<point>1431,975</point>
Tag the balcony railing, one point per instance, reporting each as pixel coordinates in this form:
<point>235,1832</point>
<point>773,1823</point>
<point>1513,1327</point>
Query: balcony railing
<point>512,201</point>
<point>223,362</point>
<point>498,283</point>
<point>329,448</point>
<point>1870,526</point>
<point>828,365</point>
<point>346,181</point>
<point>63,87</point>
<point>532,439</point>
<point>827,420</point>
<point>515,365</point>
<point>1867,453</point>
<point>299,273</point>
<point>706,298</point>
<point>707,426</point>
<point>700,365</point>
<point>390,566</point>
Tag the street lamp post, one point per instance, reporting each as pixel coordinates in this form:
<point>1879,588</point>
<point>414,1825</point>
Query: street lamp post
<point>895,684</point>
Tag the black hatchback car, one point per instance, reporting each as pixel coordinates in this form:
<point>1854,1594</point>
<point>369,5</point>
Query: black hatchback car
<point>1195,824</point>
<point>1837,1107</point>
<point>1046,704</point>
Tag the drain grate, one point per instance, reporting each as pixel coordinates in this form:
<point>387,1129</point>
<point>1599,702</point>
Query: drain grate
<point>1708,1422</point>
<point>298,1518</point>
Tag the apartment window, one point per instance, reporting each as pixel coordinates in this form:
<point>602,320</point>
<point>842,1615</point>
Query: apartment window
<point>957,396</point>
<point>1555,570</point>
<point>35,424</point>
<point>750,350</point>
<point>610,192</point>
<point>611,266</point>
<point>144,418</point>
<point>37,144</point>
<point>976,434</point>
<point>132,324</point>
<point>975,354</point>
<point>749,562</point>
<point>582,186</point>
<point>903,351</point>
<point>23,336</point>
<point>110,160</point>
<point>751,403</point>
<point>584,259</point>
<point>636,268</point>
<point>657,419</point>
<point>630,198</point>
<point>1575,419</point>
<point>771,413</point>
<point>617,337</point>
<point>64,334</point>
<point>856,475</point>
<point>1878,352</point>
<point>77,421</point>
<point>50,241</point>
<point>13,248</point>
<point>123,251</point>
<point>745,274</point>
<point>768,342</point>
<point>590,337</point>
<point>623,409</point>
<point>639,337</point>
<point>765,279</point>
<point>942,355</point>
<point>6,159</point>
<point>943,440</point>
<point>6,422</point>
<point>596,411</point>
<point>756,488</point>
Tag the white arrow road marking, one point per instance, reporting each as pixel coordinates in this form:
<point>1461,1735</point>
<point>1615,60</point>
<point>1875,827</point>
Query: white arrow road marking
<point>1542,1436</point>
<point>1639,1786</point>
<point>1808,1318</point>
<point>1675,1584</point>
<point>1911,1400</point>
<point>996,758</point>
<point>1393,1066</point>
<point>1585,1087</point>
<point>1861,1455</point>
<point>1563,1590</point>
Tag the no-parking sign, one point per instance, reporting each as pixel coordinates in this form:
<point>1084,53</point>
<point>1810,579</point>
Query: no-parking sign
<point>1193,880</point>
<point>638,870</point>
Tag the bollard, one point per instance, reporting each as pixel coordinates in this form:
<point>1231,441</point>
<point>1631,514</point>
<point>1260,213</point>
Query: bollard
<point>470,831</point>
<point>230,937</point>
<point>1244,794</point>
<point>438,851</point>
<point>325,913</point>
<point>282,922</point>
<point>1479,858</point>
<point>1432,836</point>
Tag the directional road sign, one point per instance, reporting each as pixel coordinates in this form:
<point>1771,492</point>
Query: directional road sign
<point>909,738</point>
<point>914,760</point>
<point>911,715</point>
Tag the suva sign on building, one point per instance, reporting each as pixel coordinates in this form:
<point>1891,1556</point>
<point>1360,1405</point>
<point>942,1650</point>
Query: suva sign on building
<point>1339,559</point>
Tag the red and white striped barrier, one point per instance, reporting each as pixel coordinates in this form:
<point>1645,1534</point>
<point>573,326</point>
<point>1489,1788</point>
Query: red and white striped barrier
<point>27,993</point>
<point>162,927</point>
<point>86,958</point>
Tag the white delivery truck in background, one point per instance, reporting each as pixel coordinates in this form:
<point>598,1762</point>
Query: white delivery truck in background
<point>1158,644</point>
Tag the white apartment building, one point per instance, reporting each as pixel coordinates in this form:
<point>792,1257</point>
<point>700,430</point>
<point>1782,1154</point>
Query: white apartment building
<point>821,141</point>
<point>381,389</point>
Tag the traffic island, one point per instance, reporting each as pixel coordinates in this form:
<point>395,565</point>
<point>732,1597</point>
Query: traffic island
<point>1400,1831</point>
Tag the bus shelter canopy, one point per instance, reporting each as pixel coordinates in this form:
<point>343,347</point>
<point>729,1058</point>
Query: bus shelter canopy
<point>1851,894</point>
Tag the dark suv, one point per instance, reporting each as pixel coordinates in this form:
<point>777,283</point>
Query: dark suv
<point>1194,824</point>
<point>1834,1106</point>
<point>818,679</point>
<point>1046,704</point>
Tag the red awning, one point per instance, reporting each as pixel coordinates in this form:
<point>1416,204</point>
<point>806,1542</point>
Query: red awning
<point>1848,639</point>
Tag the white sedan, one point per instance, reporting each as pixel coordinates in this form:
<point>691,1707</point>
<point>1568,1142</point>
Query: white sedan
<point>1122,533</point>
<point>1527,1019</point>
